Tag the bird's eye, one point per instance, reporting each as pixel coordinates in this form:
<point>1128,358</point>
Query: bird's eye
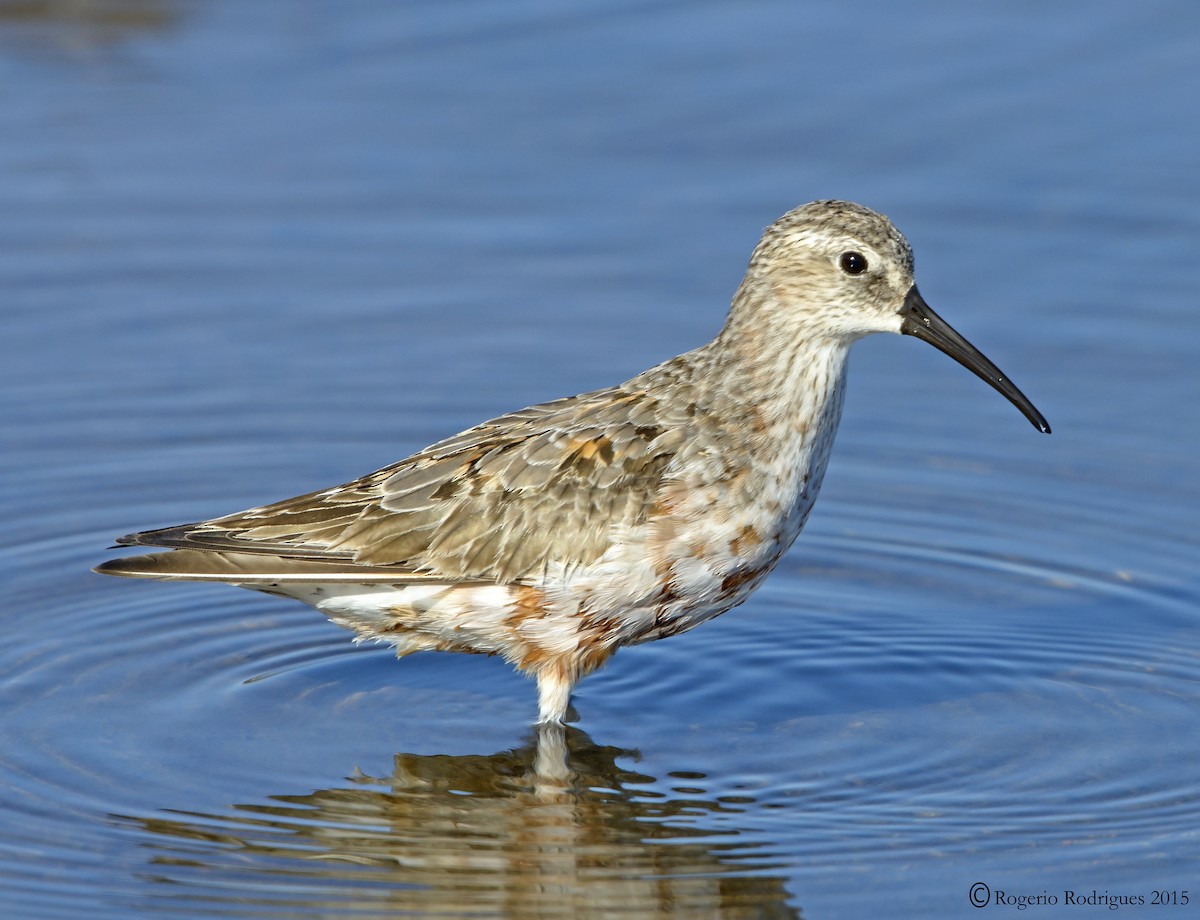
<point>853,263</point>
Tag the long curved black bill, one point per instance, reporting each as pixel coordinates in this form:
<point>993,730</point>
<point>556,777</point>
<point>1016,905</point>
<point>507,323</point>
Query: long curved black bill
<point>919,320</point>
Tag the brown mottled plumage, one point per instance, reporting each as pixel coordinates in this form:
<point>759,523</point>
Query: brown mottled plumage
<point>555,534</point>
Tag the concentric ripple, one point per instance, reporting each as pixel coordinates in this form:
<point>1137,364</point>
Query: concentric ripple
<point>906,687</point>
<point>246,249</point>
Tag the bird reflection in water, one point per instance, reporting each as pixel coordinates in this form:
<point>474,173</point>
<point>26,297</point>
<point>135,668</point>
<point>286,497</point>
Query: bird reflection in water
<point>553,828</point>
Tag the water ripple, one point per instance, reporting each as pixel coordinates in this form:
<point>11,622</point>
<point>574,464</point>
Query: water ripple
<point>247,255</point>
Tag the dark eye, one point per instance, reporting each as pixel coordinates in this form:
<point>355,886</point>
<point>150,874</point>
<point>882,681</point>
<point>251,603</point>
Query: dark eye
<point>853,263</point>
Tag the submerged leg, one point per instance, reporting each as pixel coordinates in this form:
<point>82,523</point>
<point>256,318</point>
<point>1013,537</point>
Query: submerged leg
<point>551,775</point>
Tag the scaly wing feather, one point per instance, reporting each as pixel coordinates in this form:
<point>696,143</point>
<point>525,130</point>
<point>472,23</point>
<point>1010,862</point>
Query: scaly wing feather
<point>554,483</point>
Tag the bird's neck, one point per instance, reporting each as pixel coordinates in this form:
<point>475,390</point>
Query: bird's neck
<point>779,393</point>
<point>788,372</point>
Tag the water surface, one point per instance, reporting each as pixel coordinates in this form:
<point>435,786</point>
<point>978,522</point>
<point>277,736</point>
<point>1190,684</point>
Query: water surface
<point>248,250</point>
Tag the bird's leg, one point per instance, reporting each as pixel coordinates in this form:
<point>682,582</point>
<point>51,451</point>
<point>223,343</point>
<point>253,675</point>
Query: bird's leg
<point>554,693</point>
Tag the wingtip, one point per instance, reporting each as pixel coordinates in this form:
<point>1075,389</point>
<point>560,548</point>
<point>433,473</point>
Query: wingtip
<point>172,565</point>
<point>125,566</point>
<point>254,569</point>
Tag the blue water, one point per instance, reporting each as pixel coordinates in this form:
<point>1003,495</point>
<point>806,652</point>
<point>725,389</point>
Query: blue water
<point>248,250</point>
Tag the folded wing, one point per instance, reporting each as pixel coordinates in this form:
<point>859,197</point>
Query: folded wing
<point>554,483</point>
